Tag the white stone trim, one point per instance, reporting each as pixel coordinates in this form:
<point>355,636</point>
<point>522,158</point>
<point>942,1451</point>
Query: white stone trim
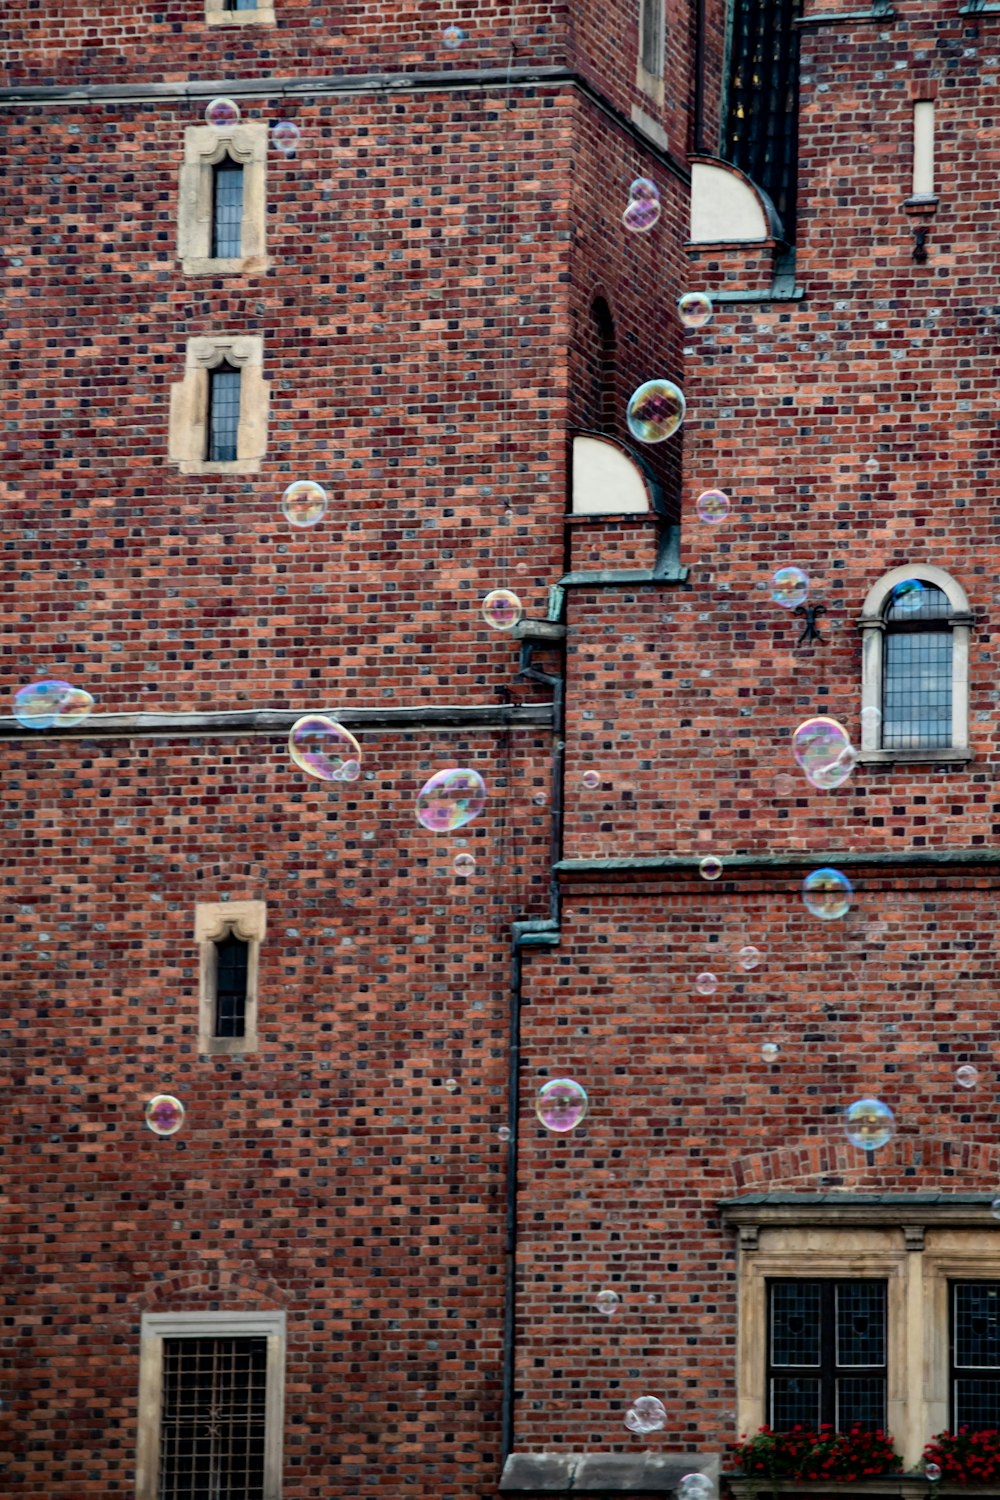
<point>204,147</point>
<point>155,1328</point>
<point>189,404</point>
<point>247,920</point>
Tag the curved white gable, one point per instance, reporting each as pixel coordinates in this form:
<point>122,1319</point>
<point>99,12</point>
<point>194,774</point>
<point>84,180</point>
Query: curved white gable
<point>605,480</point>
<point>725,207</point>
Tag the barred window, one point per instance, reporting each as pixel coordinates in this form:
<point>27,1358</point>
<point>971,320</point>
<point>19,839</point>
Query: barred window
<point>762,132</point>
<point>975,1363</point>
<point>231,973</point>
<point>916,682</point>
<point>212,1419</point>
<point>827,1351</point>
<point>227,210</point>
<point>223,413</point>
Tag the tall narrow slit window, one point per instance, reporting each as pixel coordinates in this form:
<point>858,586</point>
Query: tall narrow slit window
<point>651,37</point>
<point>227,210</point>
<point>975,1355</point>
<point>827,1354</point>
<point>213,1419</point>
<point>917,680</point>
<point>223,413</point>
<point>232,958</point>
<point>762,114</point>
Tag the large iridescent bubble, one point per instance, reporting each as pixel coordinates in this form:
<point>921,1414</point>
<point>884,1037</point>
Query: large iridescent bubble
<point>51,704</point>
<point>694,309</point>
<point>325,749</point>
<point>164,1114</point>
<point>822,747</point>
<point>561,1104</point>
<point>869,1124</point>
<point>222,113</point>
<point>502,609</point>
<point>655,411</point>
<point>827,894</point>
<point>450,799</point>
<point>790,587</point>
<point>304,502</point>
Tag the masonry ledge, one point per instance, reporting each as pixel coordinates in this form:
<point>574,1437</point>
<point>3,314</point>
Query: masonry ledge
<point>602,1473</point>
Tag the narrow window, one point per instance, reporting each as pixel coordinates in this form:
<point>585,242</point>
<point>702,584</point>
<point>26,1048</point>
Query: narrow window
<point>604,406</point>
<point>975,1362</point>
<point>651,37</point>
<point>762,114</point>
<point>223,413</point>
<point>231,970</point>
<point>917,680</point>
<point>212,1419</point>
<point>827,1355</point>
<point>240,5</point>
<point>227,210</point>
<point>923,149</point>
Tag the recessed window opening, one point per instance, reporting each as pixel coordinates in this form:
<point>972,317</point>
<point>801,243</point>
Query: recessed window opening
<point>223,413</point>
<point>651,37</point>
<point>975,1361</point>
<point>923,148</point>
<point>227,210</point>
<point>232,956</point>
<point>239,4</point>
<point>917,678</point>
<point>827,1352</point>
<point>212,1425</point>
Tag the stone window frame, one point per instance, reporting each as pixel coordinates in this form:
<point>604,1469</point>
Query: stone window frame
<point>917,1245</point>
<point>872,625</point>
<point>214,920</point>
<point>651,82</point>
<point>154,1328</point>
<point>204,147</point>
<point>217,15</point>
<point>189,404</point>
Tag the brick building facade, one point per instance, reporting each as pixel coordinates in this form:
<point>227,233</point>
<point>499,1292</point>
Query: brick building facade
<point>439,298</point>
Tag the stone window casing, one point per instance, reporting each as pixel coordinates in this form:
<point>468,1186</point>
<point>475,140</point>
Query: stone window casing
<point>204,147</point>
<point>217,15</point>
<point>189,404</point>
<point>873,627</point>
<point>155,1328</point>
<point>214,920</point>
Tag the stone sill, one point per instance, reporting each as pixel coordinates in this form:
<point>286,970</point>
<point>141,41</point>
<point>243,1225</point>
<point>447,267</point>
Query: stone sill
<point>885,1487</point>
<point>940,757</point>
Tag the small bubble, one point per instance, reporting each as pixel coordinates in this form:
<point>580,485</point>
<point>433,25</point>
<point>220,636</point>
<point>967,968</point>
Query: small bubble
<point>450,799</point>
<point>325,749</point>
<point>827,894</point>
<point>770,1052</point>
<point>561,1104</point>
<point>869,1124</point>
<point>872,465</point>
<point>464,865</point>
<point>591,780</point>
<point>933,1472</point>
<point>749,957</point>
<point>304,503</point>
<point>644,190</point>
<point>712,506</point>
<point>607,1302</point>
<point>641,215</point>
<point>695,1487</point>
<point>908,597</point>
<point>503,1131</point>
<point>790,587</point>
<point>222,113</point>
<point>646,1415</point>
<point>285,137</point>
<point>784,786</point>
<point>453,37</point>
<point>164,1114</point>
<point>995,1208</point>
<point>706,983</point>
<point>540,799</point>
<point>710,868</point>
<point>966,1077</point>
<point>451,1085</point>
<point>502,609</point>
<point>822,747</point>
<point>51,704</point>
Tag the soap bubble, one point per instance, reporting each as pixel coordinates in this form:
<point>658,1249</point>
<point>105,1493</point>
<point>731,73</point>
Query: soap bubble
<point>464,865</point>
<point>450,799</point>
<point>51,704</point>
<point>695,1487</point>
<point>607,1302</point>
<point>655,411</point>
<point>304,502</point>
<point>933,1472</point>
<point>827,894</point>
<point>561,1104</point>
<point>822,747</point>
<point>907,597</point>
<point>502,609</point>
<point>706,983</point>
<point>325,749</point>
<point>453,37</point>
<point>871,464</point>
<point>710,868</point>
<point>695,309</point>
<point>790,587</point>
<point>451,1085</point>
<point>712,506</point>
<point>784,786</point>
<point>871,718</point>
<point>285,137</point>
<point>642,214</point>
<point>644,190</point>
<point>591,780</point>
<point>164,1114</point>
<point>646,1415</point>
<point>222,113</point>
<point>749,957</point>
<point>869,1124</point>
<point>966,1076</point>
<point>503,1131</point>
<point>770,1052</point>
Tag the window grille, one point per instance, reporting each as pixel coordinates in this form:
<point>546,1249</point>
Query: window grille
<point>223,413</point>
<point>213,1419</point>
<point>827,1354</point>
<point>917,674</point>
<point>227,210</point>
<point>231,968</point>
<point>651,37</point>
<point>762,118</point>
<point>975,1343</point>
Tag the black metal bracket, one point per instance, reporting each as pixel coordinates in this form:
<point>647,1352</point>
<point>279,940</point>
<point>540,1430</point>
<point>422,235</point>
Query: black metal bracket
<point>920,244</point>
<point>809,631</point>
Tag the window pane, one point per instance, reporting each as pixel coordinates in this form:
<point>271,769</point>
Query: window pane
<point>977,1325</point>
<point>223,413</point>
<point>860,1323</point>
<point>977,1404</point>
<point>241,5</point>
<point>227,209</point>
<point>794,1403</point>
<point>917,601</point>
<point>795,1323</point>
<point>231,962</point>
<point>212,1422</point>
<point>860,1403</point>
<point>917,706</point>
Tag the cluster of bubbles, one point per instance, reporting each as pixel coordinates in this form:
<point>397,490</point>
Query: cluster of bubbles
<point>304,503</point>
<point>712,506</point>
<point>827,894</point>
<point>822,748</point>
<point>561,1104</point>
<point>51,704</point>
<point>695,309</point>
<point>643,211</point>
<point>325,749</point>
<point>655,411</point>
<point>645,1415</point>
<point>224,114</point>
<point>502,609</point>
<point>164,1114</point>
<point>450,799</point>
<point>869,1124</point>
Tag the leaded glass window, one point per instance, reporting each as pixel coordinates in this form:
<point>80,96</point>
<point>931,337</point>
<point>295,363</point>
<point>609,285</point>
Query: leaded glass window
<point>917,671</point>
<point>223,413</point>
<point>975,1341</point>
<point>827,1354</point>
<point>227,210</point>
<point>231,969</point>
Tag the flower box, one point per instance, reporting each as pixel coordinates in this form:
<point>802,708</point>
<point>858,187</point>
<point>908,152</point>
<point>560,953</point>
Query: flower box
<point>881,1487</point>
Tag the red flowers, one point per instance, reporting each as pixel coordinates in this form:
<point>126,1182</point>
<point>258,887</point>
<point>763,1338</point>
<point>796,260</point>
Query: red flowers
<point>965,1457</point>
<point>825,1454</point>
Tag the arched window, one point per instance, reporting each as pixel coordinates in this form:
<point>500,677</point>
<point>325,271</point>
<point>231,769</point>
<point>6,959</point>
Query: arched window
<point>915,686</point>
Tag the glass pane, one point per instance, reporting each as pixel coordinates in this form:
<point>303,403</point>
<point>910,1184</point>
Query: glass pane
<point>861,1323</point>
<point>977,1405</point>
<point>224,413</point>
<point>794,1403</point>
<point>860,1402</point>
<point>227,209</point>
<point>917,690</point>
<point>977,1325</point>
<point>795,1323</point>
<point>231,959</point>
<point>917,601</point>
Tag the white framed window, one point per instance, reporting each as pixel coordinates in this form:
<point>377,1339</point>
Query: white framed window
<point>211,1405</point>
<point>218,411</point>
<point>239,13</point>
<point>229,935</point>
<point>221,201</point>
<point>915,630</point>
